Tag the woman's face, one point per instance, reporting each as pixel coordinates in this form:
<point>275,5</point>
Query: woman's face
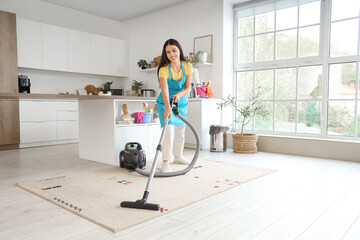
<point>172,53</point>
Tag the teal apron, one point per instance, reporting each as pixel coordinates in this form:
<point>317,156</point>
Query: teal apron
<point>174,88</point>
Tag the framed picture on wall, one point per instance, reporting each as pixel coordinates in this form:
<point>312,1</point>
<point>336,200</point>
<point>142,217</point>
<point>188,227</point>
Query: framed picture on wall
<point>203,48</point>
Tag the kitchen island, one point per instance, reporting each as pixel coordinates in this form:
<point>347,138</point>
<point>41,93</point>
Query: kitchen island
<point>100,137</point>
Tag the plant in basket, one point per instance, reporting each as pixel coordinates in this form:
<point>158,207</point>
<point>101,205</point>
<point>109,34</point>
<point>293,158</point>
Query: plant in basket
<point>245,143</point>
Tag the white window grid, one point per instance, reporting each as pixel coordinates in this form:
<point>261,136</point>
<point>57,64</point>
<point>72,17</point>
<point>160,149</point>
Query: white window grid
<point>322,59</point>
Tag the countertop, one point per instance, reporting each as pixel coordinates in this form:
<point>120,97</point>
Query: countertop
<point>9,96</point>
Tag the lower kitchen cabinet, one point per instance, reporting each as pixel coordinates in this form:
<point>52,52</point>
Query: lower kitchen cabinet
<point>37,132</point>
<point>48,122</point>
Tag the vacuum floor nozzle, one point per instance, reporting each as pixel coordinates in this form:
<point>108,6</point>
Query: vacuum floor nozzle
<point>140,204</point>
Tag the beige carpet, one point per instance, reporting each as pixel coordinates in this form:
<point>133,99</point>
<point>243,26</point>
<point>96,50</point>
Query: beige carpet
<point>96,195</point>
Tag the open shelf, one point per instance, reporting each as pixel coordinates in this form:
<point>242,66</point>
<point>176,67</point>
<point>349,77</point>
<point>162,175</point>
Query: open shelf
<point>205,64</point>
<point>149,70</point>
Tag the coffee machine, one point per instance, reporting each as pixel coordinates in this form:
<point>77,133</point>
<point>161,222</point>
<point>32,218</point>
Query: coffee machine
<point>24,84</point>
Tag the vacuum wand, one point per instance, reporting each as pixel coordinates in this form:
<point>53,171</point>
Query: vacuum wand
<point>142,203</point>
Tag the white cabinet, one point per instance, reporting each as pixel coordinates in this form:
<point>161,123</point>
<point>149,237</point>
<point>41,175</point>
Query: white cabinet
<point>78,51</point>
<point>44,46</point>
<point>46,122</point>
<point>99,54</point>
<point>37,131</point>
<point>54,47</point>
<point>102,140</point>
<point>29,43</point>
<point>202,114</point>
<point>148,135</point>
<point>37,110</point>
<point>67,125</point>
<point>37,121</point>
<point>119,57</point>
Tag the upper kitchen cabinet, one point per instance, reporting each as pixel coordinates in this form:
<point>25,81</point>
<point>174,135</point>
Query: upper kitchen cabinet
<point>119,57</point>
<point>29,43</point>
<point>44,46</point>
<point>78,51</point>
<point>54,48</point>
<point>99,54</point>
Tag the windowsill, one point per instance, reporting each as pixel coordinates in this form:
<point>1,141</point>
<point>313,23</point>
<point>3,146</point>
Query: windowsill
<point>313,138</point>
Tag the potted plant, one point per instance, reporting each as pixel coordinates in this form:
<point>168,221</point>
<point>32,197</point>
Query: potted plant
<point>201,56</point>
<point>142,63</point>
<point>107,86</point>
<point>245,143</point>
<point>135,87</point>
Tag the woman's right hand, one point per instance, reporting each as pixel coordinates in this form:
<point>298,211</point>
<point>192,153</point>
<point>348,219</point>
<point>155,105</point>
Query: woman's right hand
<point>167,114</point>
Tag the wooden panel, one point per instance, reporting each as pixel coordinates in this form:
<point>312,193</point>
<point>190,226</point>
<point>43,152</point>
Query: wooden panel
<point>9,109</point>
<point>9,122</point>
<point>8,49</point>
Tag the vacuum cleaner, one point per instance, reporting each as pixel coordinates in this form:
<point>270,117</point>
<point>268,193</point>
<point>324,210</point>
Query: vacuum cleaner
<point>132,157</point>
<point>142,203</point>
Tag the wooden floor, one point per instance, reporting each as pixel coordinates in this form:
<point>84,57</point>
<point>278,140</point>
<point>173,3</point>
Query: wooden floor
<point>307,198</point>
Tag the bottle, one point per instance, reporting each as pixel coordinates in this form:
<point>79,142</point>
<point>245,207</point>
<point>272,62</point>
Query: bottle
<point>192,91</point>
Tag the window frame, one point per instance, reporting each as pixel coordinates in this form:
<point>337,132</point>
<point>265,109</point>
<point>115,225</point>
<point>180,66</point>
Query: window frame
<point>323,59</point>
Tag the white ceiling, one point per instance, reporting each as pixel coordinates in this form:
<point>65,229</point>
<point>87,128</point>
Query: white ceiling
<point>119,10</point>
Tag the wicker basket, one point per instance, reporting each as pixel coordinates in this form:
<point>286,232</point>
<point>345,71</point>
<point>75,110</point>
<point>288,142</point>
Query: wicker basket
<point>245,143</point>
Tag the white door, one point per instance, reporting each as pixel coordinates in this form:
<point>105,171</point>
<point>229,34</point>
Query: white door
<point>54,46</point>
<point>29,43</point>
<point>99,54</point>
<point>78,51</point>
<point>67,130</point>
<point>119,57</point>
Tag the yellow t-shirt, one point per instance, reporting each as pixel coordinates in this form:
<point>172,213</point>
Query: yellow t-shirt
<point>164,72</point>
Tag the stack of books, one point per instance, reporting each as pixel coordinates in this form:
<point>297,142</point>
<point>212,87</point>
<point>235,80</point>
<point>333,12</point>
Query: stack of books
<point>125,121</point>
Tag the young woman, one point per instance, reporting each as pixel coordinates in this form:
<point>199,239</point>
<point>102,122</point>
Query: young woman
<point>175,76</point>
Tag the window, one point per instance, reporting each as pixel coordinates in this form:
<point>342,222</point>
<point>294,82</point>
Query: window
<point>304,56</point>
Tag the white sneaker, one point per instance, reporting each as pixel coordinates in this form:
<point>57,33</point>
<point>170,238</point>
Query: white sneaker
<point>182,160</point>
<point>165,167</point>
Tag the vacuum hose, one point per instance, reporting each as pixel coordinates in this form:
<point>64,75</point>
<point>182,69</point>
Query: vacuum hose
<point>159,148</point>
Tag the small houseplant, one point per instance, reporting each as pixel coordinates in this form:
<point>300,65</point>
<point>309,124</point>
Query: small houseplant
<point>107,86</point>
<point>142,63</point>
<point>245,143</point>
<point>135,87</point>
<point>201,56</point>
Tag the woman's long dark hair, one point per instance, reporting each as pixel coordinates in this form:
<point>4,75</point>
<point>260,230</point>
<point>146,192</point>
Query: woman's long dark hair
<point>164,59</point>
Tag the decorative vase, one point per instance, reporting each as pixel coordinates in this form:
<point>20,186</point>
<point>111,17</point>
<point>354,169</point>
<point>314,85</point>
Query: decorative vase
<point>245,143</point>
<point>202,57</point>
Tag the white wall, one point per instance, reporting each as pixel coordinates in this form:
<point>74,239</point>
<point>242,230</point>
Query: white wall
<point>44,12</point>
<point>182,22</point>
<point>54,82</point>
